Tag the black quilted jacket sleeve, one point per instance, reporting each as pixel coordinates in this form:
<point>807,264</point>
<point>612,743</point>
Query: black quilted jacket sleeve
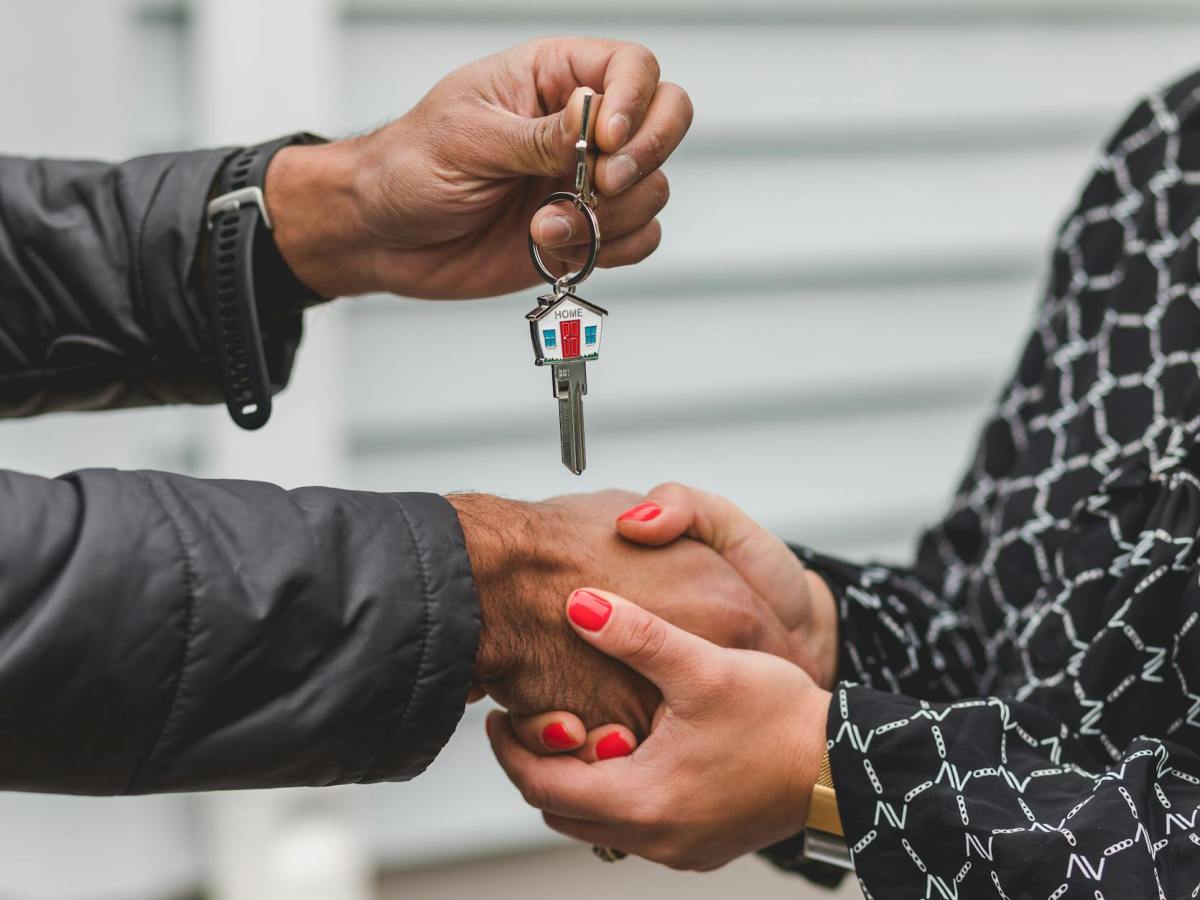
<point>100,286</point>
<point>162,633</point>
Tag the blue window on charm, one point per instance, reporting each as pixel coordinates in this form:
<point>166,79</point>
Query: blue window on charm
<point>589,335</point>
<point>551,338</point>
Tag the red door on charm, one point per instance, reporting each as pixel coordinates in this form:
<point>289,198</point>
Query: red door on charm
<point>569,331</point>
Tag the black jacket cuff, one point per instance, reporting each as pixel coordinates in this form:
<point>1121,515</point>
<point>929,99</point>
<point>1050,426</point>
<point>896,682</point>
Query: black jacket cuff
<point>449,640</point>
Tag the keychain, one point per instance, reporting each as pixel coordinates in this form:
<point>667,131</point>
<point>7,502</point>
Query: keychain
<point>565,328</point>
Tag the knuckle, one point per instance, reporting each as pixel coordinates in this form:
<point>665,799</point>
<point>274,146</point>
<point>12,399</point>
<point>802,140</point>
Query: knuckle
<point>645,639</point>
<point>534,795</point>
<point>675,490</point>
<point>544,147</point>
<point>536,792</point>
<point>657,148</point>
<point>639,99</point>
<point>654,238</point>
<point>648,813</point>
<point>648,243</point>
<point>660,190</point>
<point>687,110</point>
<point>647,61</point>
<point>537,47</point>
<point>746,625</point>
<point>672,855</point>
<point>674,494</point>
<point>711,682</point>
<point>738,621</point>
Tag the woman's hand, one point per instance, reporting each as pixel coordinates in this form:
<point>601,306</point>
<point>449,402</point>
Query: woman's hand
<point>799,597</point>
<point>728,769</point>
<point>438,204</point>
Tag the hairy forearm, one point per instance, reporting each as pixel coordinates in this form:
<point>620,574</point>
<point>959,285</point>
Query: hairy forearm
<point>512,562</point>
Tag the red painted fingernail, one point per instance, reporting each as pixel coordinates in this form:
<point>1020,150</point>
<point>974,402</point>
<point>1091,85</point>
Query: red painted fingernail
<point>643,512</point>
<point>589,611</point>
<point>611,746</point>
<point>556,737</point>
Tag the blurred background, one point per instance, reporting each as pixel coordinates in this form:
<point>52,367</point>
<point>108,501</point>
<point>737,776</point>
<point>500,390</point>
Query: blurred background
<point>858,229</point>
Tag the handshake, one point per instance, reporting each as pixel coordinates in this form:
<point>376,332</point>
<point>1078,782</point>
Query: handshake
<point>685,628</point>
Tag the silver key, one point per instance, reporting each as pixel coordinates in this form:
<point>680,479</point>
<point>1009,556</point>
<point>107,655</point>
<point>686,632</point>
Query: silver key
<point>566,332</point>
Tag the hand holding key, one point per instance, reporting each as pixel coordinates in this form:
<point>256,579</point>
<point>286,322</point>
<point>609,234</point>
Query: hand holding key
<point>438,203</point>
<point>566,328</point>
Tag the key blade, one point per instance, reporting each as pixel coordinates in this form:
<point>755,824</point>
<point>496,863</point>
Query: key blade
<point>570,432</point>
<point>570,384</point>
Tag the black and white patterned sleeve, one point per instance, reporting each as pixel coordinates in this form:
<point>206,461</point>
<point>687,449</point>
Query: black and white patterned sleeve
<point>906,630</point>
<point>1018,713</point>
<point>989,796</point>
<point>985,797</point>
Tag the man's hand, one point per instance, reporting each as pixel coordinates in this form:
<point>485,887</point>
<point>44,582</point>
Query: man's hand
<point>438,203</point>
<point>527,557</point>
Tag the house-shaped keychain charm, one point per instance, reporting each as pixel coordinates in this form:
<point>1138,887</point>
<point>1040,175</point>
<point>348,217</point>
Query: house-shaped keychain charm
<point>566,334</point>
<point>565,328</point>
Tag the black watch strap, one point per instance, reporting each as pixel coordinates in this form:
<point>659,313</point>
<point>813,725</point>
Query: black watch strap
<point>241,257</point>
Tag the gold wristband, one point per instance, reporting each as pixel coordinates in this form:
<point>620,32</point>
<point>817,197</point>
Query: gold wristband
<point>822,810</point>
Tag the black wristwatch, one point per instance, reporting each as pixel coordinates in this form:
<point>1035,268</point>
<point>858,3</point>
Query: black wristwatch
<point>249,284</point>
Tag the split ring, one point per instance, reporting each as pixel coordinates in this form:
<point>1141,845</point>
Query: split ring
<point>569,281</point>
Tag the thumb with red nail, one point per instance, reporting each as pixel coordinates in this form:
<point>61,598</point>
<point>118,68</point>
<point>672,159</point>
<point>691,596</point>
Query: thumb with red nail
<point>798,596</point>
<point>728,768</point>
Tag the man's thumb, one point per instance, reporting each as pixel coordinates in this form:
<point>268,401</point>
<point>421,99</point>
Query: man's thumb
<point>546,146</point>
<point>656,649</point>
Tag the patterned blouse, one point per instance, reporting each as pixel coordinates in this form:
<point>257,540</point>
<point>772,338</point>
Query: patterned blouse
<point>1020,709</point>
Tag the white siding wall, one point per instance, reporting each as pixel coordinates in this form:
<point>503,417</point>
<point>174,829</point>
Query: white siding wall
<point>858,228</point>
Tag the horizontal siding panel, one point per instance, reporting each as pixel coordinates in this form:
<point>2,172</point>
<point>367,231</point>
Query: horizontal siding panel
<point>161,89</point>
<point>467,807</point>
<point>130,439</point>
<point>821,482</point>
<point>843,212</point>
<point>753,80</point>
<point>920,12</point>
<point>420,369</point>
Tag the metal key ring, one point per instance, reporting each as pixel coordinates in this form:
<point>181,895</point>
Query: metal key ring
<point>593,225</point>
